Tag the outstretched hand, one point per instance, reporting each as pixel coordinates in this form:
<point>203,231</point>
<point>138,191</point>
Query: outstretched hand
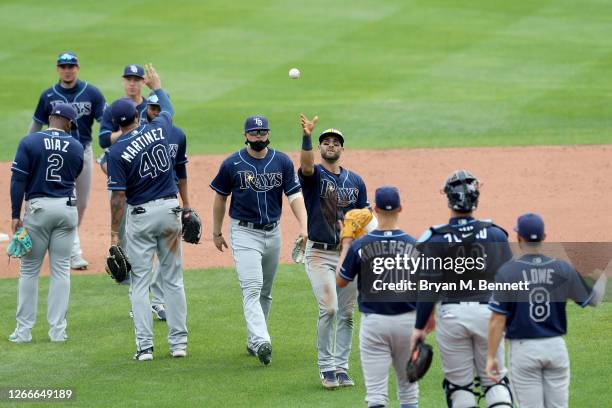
<point>152,79</point>
<point>308,125</point>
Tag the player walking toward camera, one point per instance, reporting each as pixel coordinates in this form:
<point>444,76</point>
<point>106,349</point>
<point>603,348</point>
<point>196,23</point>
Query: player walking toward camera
<point>140,172</point>
<point>386,326</point>
<point>89,103</point>
<point>45,170</point>
<point>535,321</point>
<point>461,321</point>
<point>330,191</point>
<point>256,177</point>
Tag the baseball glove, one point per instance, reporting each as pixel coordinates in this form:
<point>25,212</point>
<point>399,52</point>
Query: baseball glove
<point>117,264</point>
<point>192,226</point>
<point>20,244</point>
<point>298,251</point>
<point>419,362</point>
<point>355,221</point>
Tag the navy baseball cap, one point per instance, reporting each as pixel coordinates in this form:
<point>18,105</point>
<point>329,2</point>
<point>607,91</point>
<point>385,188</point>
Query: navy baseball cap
<point>256,122</point>
<point>123,111</point>
<point>530,226</point>
<point>153,99</point>
<point>134,70</point>
<point>66,111</point>
<point>331,132</point>
<point>387,198</point>
<point>67,58</point>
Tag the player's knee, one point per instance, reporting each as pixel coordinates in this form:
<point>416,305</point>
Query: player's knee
<point>459,396</point>
<point>328,310</point>
<point>499,395</point>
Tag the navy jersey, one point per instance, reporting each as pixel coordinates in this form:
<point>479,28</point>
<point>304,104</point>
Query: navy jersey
<point>85,98</point>
<point>177,145</point>
<point>139,162</point>
<point>107,126</point>
<point>328,197</point>
<point>51,160</point>
<point>541,311</point>
<point>256,185</point>
<point>359,259</point>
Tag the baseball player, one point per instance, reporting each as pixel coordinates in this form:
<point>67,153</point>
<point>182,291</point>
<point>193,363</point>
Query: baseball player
<point>89,104</point>
<point>140,172</point>
<point>462,316</point>
<point>330,191</point>
<point>535,320</point>
<point>178,148</point>
<point>45,170</point>
<point>384,335</point>
<point>256,177</point>
<point>133,81</point>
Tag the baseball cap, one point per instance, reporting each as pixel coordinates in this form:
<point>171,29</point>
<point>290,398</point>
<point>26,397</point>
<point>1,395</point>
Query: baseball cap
<point>67,58</point>
<point>66,111</point>
<point>134,70</point>
<point>257,122</point>
<point>332,132</point>
<point>387,198</point>
<point>123,111</point>
<point>153,99</point>
<point>530,226</point>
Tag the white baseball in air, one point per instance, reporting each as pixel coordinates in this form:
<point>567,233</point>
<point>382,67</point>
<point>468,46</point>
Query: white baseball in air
<point>294,73</point>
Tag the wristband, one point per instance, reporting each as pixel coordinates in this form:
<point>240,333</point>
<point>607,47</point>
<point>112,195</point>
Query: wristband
<point>306,142</point>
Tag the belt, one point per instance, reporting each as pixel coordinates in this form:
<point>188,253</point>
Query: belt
<point>325,247</point>
<point>170,197</point>
<point>263,227</point>
<point>141,210</point>
<point>456,302</point>
<point>71,202</point>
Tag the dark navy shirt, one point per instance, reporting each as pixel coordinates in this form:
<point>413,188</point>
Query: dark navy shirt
<point>177,145</point>
<point>85,98</point>
<point>256,185</point>
<point>540,312</point>
<point>51,160</point>
<point>353,267</point>
<point>328,197</point>
<point>139,162</point>
<point>107,126</point>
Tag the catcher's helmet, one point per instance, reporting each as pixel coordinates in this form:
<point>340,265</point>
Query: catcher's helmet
<point>461,189</point>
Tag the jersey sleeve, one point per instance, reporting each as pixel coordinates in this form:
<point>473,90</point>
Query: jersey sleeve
<point>164,119</point>
<point>501,301</point>
<point>222,183</point>
<point>308,180</point>
<point>291,183</point>
<point>362,198</point>
<point>99,105</point>
<point>41,113</point>
<point>351,264</point>
<point>181,153</point>
<point>117,177</point>
<point>22,163</point>
<point>577,289</point>
<point>106,128</point>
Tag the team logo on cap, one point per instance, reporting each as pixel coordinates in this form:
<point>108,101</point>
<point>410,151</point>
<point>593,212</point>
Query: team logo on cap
<point>133,68</point>
<point>258,122</point>
<point>58,112</point>
<point>65,56</point>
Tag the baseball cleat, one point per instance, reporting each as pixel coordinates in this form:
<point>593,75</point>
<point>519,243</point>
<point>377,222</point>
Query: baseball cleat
<point>144,355</point>
<point>179,353</point>
<point>159,312</point>
<point>264,353</point>
<point>77,262</point>
<point>344,380</point>
<point>60,339</point>
<point>251,352</point>
<point>329,380</point>
<point>14,338</point>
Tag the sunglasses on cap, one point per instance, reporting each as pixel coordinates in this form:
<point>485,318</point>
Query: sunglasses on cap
<point>260,132</point>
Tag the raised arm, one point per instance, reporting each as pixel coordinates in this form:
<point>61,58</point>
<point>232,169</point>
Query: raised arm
<point>307,155</point>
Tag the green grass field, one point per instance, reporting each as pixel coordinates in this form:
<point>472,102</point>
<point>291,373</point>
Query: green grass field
<point>390,73</point>
<point>96,361</point>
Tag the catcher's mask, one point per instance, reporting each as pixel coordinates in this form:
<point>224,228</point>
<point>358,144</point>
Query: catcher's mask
<point>461,189</point>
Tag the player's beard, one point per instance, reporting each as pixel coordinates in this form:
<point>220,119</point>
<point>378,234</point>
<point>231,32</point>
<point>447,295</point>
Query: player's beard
<point>330,157</point>
<point>259,145</point>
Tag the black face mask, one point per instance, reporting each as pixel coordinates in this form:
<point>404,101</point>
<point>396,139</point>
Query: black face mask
<point>259,145</point>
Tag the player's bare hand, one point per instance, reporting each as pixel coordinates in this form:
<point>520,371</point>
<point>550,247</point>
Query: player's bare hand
<point>493,369</point>
<point>417,335</point>
<point>114,238</point>
<point>308,125</point>
<point>431,324</point>
<point>16,223</point>
<point>152,79</point>
<point>219,242</point>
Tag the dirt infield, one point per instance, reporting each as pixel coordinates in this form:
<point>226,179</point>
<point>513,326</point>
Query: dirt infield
<point>571,186</point>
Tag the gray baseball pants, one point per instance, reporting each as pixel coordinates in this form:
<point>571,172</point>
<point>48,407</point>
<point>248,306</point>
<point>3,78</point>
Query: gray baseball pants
<point>384,340</point>
<point>83,188</point>
<point>336,309</point>
<point>157,231</point>
<point>51,224</point>
<point>540,372</point>
<point>256,254</point>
